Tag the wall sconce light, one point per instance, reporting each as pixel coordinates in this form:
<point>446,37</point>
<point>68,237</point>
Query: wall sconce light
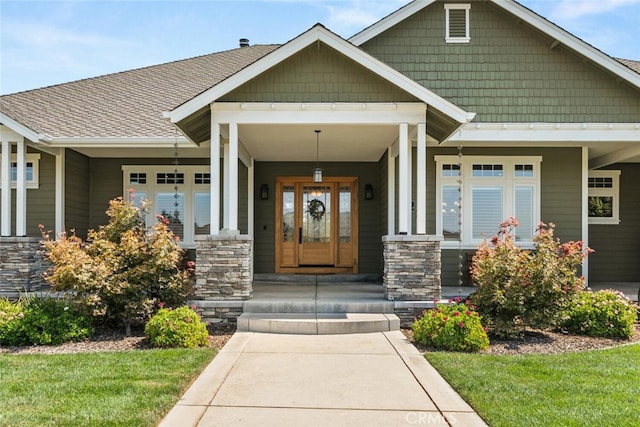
<point>264,191</point>
<point>368,192</point>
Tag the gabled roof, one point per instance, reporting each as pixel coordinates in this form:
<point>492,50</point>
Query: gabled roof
<point>127,104</point>
<point>634,65</point>
<point>319,33</point>
<point>526,15</point>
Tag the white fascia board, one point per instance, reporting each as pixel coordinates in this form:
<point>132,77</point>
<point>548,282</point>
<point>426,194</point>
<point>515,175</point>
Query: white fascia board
<point>319,34</point>
<point>571,41</point>
<point>121,142</point>
<point>389,21</point>
<point>544,132</point>
<point>615,157</point>
<point>22,130</point>
<point>319,113</point>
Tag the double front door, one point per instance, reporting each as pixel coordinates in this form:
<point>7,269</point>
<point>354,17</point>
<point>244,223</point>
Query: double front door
<point>316,225</point>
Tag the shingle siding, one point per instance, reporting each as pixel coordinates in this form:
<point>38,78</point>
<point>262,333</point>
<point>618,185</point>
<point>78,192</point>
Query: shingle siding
<point>77,192</point>
<point>506,73</point>
<point>318,73</point>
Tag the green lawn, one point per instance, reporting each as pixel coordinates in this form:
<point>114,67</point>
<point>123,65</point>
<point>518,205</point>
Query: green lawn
<point>134,388</point>
<point>600,387</point>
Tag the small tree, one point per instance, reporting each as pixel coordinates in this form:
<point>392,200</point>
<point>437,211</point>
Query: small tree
<point>518,287</point>
<point>123,270</point>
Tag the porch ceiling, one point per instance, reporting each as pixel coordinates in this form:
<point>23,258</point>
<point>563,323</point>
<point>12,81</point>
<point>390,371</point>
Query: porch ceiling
<point>338,143</point>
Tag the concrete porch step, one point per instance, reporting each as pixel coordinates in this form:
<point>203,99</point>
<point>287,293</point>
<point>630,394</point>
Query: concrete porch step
<point>318,323</point>
<point>291,306</point>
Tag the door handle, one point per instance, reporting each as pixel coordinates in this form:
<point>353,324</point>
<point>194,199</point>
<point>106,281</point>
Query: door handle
<point>300,235</point>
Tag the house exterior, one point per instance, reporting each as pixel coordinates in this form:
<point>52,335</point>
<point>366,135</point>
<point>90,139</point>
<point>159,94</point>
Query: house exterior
<point>430,127</point>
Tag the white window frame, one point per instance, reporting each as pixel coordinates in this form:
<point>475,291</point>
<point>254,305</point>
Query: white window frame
<point>151,188</point>
<point>34,182</point>
<point>508,182</point>
<point>613,192</point>
<point>457,6</point>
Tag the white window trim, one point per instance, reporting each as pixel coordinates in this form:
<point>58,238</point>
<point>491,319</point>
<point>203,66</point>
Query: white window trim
<point>151,188</point>
<point>507,182</point>
<point>612,192</point>
<point>466,7</point>
<point>30,184</point>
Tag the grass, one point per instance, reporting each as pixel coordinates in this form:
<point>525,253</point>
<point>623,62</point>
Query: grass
<point>135,388</point>
<point>599,387</point>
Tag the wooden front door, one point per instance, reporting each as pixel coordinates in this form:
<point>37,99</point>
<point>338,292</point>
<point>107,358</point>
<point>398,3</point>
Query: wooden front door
<point>316,225</point>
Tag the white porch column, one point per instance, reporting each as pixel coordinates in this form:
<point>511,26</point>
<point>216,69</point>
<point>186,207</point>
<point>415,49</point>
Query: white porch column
<point>214,228</point>
<point>391,192</point>
<point>250,196</point>
<point>421,177</point>
<point>59,192</point>
<point>225,186</point>
<point>21,189</point>
<point>5,203</point>
<point>404,187</point>
<point>231,198</point>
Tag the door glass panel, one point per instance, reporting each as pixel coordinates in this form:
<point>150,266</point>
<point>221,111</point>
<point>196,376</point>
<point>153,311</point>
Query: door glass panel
<point>345,213</point>
<point>288,213</point>
<point>202,212</point>
<point>316,221</point>
<point>172,208</point>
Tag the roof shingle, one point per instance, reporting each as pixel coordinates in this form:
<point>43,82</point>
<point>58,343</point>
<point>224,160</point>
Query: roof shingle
<point>125,104</point>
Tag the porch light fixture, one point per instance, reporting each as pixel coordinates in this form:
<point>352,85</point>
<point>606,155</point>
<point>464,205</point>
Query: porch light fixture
<point>368,192</point>
<point>317,172</point>
<point>264,192</point>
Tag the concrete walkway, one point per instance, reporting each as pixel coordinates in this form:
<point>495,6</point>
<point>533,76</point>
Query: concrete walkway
<point>369,379</point>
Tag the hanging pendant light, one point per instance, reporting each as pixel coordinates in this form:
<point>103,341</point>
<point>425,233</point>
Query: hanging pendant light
<point>317,172</point>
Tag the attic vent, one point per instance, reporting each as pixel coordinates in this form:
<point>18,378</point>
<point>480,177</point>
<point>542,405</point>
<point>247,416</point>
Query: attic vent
<point>457,23</point>
<point>244,42</point>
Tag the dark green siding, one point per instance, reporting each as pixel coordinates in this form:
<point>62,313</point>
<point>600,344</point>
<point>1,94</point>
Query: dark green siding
<point>77,192</point>
<point>370,242</point>
<point>318,73</point>
<point>560,195</point>
<point>617,247</point>
<point>41,201</point>
<point>507,73</point>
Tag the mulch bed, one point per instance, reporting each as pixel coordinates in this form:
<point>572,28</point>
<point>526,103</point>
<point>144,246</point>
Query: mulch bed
<point>544,342</point>
<point>116,340</point>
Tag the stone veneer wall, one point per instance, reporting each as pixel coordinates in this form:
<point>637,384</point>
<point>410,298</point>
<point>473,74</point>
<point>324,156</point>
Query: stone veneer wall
<point>21,264</point>
<point>223,276</point>
<point>411,267</point>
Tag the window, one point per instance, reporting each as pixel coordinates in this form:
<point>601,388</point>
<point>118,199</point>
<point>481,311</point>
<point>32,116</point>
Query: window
<point>188,213</point>
<point>457,23</point>
<point>31,171</point>
<point>489,190</point>
<point>604,200</point>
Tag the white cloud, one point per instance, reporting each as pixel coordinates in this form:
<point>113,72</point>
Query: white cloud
<point>572,9</point>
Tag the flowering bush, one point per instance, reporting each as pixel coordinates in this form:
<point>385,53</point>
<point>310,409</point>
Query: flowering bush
<point>453,327</point>
<point>606,313</point>
<point>181,327</point>
<point>517,288</point>
<point>123,270</point>
<point>44,321</point>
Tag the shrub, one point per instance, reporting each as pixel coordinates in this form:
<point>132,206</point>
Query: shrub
<point>181,327</point>
<point>45,321</point>
<point>453,327</point>
<point>606,313</point>
<point>125,269</point>
<point>517,288</point>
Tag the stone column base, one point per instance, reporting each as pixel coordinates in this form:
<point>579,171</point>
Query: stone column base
<point>223,268</point>
<point>21,264</point>
<point>412,267</point>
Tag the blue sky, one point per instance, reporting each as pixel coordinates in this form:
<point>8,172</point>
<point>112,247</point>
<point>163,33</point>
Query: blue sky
<point>48,42</point>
